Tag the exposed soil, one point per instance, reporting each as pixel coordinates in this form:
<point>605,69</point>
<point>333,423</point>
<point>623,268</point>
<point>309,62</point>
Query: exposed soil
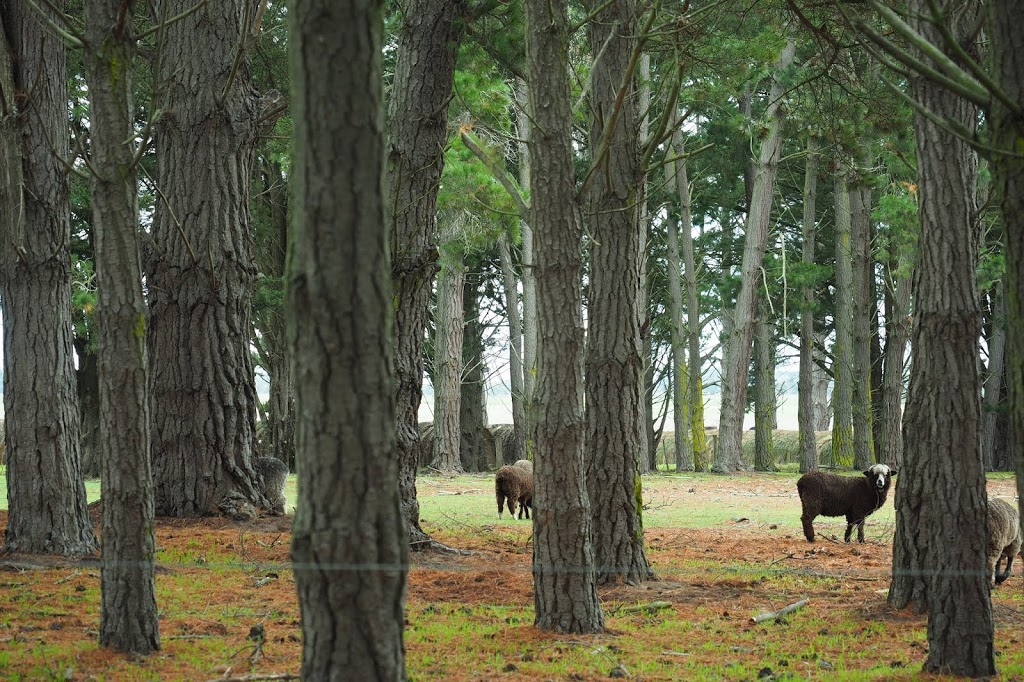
<point>219,578</point>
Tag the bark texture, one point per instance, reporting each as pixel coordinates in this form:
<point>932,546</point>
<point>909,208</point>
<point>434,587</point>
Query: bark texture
<point>682,403</point>
<point>941,534</point>
<point>565,588</point>
<point>805,390</point>
<point>128,616</point>
<point>349,544</point>
<point>738,344</point>
<point>201,271</point>
<point>473,401</point>
<point>417,132</point>
<point>897,333</point>
<point>616,420</point>
<point>47,513</point>
<point>448,361</point>
<point>515,345</point>
<point>842,349</point>
<point>1008,176</point>
<point>764,388</point>
<point>864,312</point>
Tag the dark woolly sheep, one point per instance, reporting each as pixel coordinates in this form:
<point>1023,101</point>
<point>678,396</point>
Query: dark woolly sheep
<point>272,474</point>
<point>825,494</point>
<point>1004,538</point>
<point>514,485</point>
<point>524,464</point>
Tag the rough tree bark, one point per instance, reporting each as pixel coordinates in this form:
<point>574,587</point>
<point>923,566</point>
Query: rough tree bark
<point>1008,181</point>
<point>940,541</point>
<point>863,312</point>
<point>899,271</point>
<point>842,348</point>
<point>272,344</point>
<point>515,345</point>
<point>128,615</point>
<point>200,272</point>
<point>448,360</point>
<point>764,387</point>
<point>417,133</point>
<point>684,455</point>
<point>46,513</point>
<point>992,400</point>
<point>339,332</point>
<point>528,272</point>
<point>728,457</point>
<point>565,586</point>
<point>473,401</point>
<point>616,437</point>
<point>805,391</point>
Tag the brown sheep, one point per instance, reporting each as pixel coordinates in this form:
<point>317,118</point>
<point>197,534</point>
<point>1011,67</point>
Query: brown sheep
<point>1004,538</point>
<point>514,485</point>
<point>825,494</point>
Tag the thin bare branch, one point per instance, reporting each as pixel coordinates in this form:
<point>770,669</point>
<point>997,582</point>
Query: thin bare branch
<point>171,20</point>
<point>499,173</point>
<point>68,33</point>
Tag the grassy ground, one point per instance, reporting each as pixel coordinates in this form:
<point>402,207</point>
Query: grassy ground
<point>725,549</point>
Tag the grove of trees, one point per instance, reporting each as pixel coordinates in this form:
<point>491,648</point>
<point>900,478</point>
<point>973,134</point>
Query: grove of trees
<point>603,202</point>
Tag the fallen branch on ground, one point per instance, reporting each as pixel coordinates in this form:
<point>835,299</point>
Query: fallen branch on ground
<point>774,615</point>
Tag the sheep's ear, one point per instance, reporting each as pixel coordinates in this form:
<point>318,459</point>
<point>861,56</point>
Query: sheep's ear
<point>867,472</point>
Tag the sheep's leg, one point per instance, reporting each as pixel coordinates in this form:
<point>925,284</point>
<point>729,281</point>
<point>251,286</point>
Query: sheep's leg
<point>1000,577</point>
<point>501,503</point>
<point>860,531</point>
<point>808,522</point>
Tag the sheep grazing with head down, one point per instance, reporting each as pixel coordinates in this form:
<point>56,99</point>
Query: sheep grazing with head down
<point>825,494</point>
<point>514,485</point>
<point>1004,538</point>
<point>524,464</point>
<point>272,475</point>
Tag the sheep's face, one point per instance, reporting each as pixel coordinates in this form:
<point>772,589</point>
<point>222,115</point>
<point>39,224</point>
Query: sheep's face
<point>880,476</point>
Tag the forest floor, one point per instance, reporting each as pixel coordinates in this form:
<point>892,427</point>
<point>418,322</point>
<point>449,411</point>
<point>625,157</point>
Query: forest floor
<point>469,617</point>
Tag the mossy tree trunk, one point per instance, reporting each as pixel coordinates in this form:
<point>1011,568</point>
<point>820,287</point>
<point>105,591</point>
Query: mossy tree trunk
<point>805,390</point>
<point>842,349</point>
<point>128,614</point>
<point>863,313</point>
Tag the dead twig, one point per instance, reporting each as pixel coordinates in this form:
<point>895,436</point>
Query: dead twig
<point>775,615</point>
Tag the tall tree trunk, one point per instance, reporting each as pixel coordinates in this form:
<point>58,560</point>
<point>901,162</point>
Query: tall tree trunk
<point>515,352</point>
<point>529,273</point>
<point>648,462</point>
<point>88,388</point>
<point>864,311</point>
<point>339,332</point>
<point>738,344</point>
<point>270,318</point>
<point>1008,181</point>
<point>764,388</point>
<point>46,514</point>
<point>805,395</point>
<point>842,349</point>
<point>694,389</point>
<point>128,615</point>
<point>820,381</point>
<point>417,133</point>
<point>473,402</point>
<point>897,333</point>
<point>616,436</point>
<point>565,586</point>
<point>680,375</point>
<point>939,557</point>
<point>201,273</point>
<point>992,402</point>
<point>448,361</point>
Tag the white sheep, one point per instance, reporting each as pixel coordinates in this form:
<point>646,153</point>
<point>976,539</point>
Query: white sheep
<point>1004,538</point>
